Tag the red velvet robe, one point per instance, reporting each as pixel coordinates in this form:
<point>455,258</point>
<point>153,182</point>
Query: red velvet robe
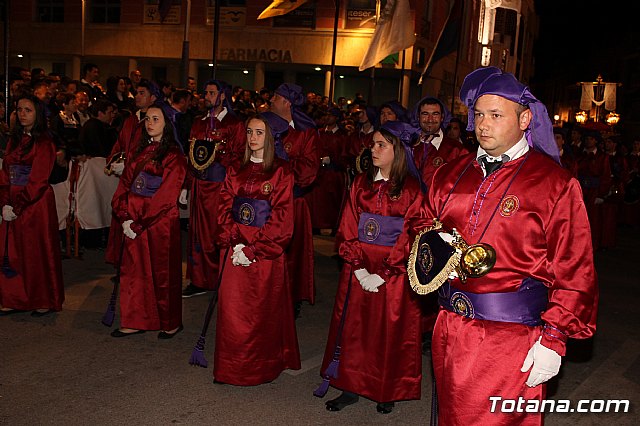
<point>203,256</point>
<point>328,190</point>
<point>590,167</point>
<point>301,148</point>
<point>255,330</point>
<point>428,159</point>
<point>151,272</point>
<point>540,230</point>
<point>127,142</point>
<point>34,242</point>
<point>381,355</point>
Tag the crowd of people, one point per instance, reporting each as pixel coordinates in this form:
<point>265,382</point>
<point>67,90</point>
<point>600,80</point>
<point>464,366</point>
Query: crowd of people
<point>260,173</point>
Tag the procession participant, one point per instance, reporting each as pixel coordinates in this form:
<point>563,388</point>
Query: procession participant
<point>393,111</point>
<point>299,147</point>
<point>431,151</point>
<point>434,148</point>
<point>376,316</point>
<point>328,190</point>
<point>145,206</point>
<point>567,159</point>
<point>217,142</point>
<point>630,211</point>
<point>146,95</point>
<point>362,137</point>
<point>31,275</point>
<point>255,329</point>
<point>613,199</point>
<point>503,334</point>
<point>594,174</point>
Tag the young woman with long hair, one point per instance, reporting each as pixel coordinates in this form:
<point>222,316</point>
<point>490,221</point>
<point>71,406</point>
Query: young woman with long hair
<point>255,330</point>
<point>145,203</point>
<point>31,276</point>
<point>373,348</point>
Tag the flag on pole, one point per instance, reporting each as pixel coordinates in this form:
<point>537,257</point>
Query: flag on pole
<point>280,7</point>
<point>448,39</point>
<point>394,32</point>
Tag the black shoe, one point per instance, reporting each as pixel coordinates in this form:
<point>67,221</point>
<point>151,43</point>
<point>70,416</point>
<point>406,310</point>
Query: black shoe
<point>38,314</point>
<point>4,313</point>
<point>192,290</point>
<point>345,399</point>
<point>426,343</point>
<point>118,333</point>
<point>297,307</point>
<point>165,335</point>
<point>385,407</point>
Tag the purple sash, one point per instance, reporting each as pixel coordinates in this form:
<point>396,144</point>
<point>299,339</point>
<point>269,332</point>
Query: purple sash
<point>145,184</point>
<point>379,230</point>
<point>523,306</point>
<point>19,174</point>
<point>251,212</point>
<point>214,173</point>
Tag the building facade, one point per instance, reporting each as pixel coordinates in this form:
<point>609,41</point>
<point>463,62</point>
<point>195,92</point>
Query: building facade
<point>120,36</point>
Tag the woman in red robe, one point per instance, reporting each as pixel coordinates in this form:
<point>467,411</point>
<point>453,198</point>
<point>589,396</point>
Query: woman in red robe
<point>378,352</point>
<point>146,204</point>
<point>255,330</point>
<point>29,213</point>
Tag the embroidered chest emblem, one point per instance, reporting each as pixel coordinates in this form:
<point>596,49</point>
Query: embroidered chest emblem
<point>461,305</point>
<point>266,188</point>
<point>287,147</point>
<point>371,229</point>
<point>437,162</point>
<point>140,183</point>
<point>247,214</point>
<point>509,205</point>
<point>201,153</point>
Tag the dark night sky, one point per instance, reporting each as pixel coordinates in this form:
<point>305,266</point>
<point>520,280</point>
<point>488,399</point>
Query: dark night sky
<point>580,39</point>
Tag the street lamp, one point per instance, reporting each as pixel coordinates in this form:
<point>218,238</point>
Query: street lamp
<point>613,118</point>
<point>581,117</point>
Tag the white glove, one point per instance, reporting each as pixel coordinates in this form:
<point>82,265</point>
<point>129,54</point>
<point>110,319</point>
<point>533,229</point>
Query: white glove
<point>326,160</point>
<point>546,364</point>
<point>182,199</point>
<point>8,214</point>
<point>372,282</point>
<point>361,274</point>
<point>117,168</point>
<point>598,201</point>
<point>126,229</point>
<point>238,258</point>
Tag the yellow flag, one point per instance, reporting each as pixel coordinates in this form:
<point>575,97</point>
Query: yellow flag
<point>280,7</point>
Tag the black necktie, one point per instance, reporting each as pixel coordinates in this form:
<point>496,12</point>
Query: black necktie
<point>490,166</point>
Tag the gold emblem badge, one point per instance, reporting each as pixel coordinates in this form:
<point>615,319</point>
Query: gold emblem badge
<point>139,183</point>
<point>509,205</point>
<point>267,188</point>
<point>437,162</point>
<point>287,147</point>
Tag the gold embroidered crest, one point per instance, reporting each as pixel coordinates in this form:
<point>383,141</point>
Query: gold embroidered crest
<point>267,188</point>
<point>509,205</point>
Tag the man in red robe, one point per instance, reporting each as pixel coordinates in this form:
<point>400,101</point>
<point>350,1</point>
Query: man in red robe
<point>328,190</point>
<point>502,335</point>
<point>299,147</point>
<point>594,174</point>
<point>217,142</point>
<point>434,149</point>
